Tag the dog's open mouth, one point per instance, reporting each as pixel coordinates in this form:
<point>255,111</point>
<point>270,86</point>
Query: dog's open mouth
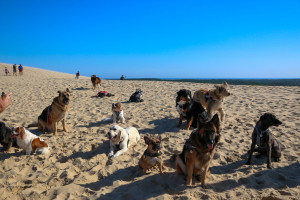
<point>110,137</point>
<point>210,146</point>
<point>66,101</point>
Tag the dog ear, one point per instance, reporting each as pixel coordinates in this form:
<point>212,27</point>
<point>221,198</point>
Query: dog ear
<point>21,132</point>
<point>225,84</point>
<point>147,140</point>
<point>264,117</point>
<point>67,90</point>
<point>59,92</point>
<point>216,86</point>
<point>215,120</point>
<point>159,137</point>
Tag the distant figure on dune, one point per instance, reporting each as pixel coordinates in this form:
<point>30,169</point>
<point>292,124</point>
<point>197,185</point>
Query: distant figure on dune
<point>20,69</point>
<point>77,75</point>
<point>122,77</point>
<point>6,71</point>
<point>14,69</point>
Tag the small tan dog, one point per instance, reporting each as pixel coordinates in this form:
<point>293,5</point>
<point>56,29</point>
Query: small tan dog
<point>152,155</point>
<point>212,99</point>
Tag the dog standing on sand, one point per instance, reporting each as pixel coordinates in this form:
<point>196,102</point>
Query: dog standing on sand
<point>212,100</point>
<point>55,113</point>
<point>96,81</point>
<point>265,140</point>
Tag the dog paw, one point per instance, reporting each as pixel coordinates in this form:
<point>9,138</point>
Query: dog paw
<point>110,155</point>
<point>269,166</point>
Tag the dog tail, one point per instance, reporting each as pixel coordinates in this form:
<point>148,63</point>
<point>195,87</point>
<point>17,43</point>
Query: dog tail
<point>43,150</point>
<point>33,124</point>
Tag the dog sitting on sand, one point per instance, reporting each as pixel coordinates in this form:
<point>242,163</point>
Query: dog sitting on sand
<point>265,140</point>
<point>152,155</point>
<point>212,99</point>
<point>29,142</point>
<point>117,113</point>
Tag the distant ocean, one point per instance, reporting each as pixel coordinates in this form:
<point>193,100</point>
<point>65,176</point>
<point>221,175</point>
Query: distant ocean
<point>263,82</point>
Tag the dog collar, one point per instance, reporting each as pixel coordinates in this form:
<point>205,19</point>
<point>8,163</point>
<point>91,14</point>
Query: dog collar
<point>147,153</point>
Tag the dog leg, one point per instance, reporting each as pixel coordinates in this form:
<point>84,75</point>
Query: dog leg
<point>189,123</point>
<point>252,148</point>
<point>64,125</point>
<point>120,152</point>
<point>122,120</point>
<point>160,166</point>
<point>190,169</point>
<point>203,175</point>
<point>221,111</point>
<point>269,152</point>
<point>180,121</point>
<point>55,128</point>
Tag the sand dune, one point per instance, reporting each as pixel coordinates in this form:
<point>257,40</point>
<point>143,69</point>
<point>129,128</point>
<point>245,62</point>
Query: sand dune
<point>78,166</point>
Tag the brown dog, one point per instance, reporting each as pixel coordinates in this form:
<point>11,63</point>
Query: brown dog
<point>55,113</point>
<point>152,156</point>
<point>96,81</point>
<point>198,150</point>
<point>212,99</point>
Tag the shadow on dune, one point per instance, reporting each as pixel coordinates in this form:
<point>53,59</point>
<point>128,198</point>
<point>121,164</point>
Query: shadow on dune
<point>277,178</point>
<point>163,125</point>
<point>149,187</point>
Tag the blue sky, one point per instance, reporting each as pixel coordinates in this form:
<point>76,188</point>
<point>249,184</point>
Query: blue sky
<point>155,38</point>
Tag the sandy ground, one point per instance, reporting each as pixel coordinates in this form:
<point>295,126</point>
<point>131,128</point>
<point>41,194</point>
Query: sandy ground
<point>78,166</point>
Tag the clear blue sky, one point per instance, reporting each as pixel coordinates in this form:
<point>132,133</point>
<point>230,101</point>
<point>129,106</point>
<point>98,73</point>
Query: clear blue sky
<point>155,38</point>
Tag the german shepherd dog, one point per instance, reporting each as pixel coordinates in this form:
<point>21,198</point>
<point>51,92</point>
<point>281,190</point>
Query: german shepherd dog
<point>198,150</point>
<point>265,140</point>
<point>96,81</point>
<point>212,99</point>
<point>189,109</point>
<point>55,113</point>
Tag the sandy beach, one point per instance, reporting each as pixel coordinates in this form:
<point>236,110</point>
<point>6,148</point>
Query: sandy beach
<point>78,166</point>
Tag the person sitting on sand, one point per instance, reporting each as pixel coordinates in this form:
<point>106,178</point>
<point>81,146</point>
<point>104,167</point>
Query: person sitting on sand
<point>122,77</point>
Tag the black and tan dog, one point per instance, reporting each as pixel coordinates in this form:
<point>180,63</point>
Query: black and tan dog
<point>189,109</point>
<point>152,155</point>
<point>96,81</point>
<point>265,140</point>
<point>198,150</point>
<point>5,140</point>
<point>55,113</point>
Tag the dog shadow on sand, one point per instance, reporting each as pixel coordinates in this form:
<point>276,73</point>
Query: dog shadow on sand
<point>277,178</point>
<point>151,186</point>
